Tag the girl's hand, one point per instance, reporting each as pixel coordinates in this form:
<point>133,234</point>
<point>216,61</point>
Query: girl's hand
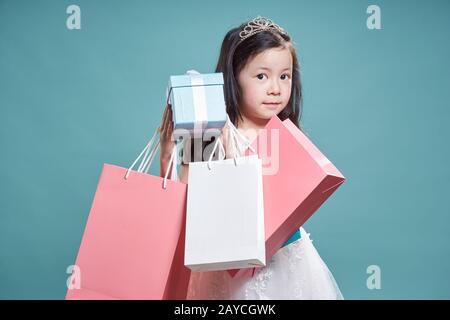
<point>165,134</point>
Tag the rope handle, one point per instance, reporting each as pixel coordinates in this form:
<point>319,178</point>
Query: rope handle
<point>148,154</point>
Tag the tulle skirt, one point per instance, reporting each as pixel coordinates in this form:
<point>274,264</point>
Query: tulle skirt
<point>296,271</point>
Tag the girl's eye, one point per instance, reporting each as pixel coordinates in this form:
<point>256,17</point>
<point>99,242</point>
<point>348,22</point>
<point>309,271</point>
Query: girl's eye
<point>260,76</point>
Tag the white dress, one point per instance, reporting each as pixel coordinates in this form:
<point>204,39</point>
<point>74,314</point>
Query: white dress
<point>296,271</point>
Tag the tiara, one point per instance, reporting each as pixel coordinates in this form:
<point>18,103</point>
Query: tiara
<point>260,24</point>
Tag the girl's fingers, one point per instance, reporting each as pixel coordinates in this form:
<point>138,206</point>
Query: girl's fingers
<point>170,130</point>
<point>166,128</point>
<point>169,123</point>
<point>169,113</point>
<point>164,120</point>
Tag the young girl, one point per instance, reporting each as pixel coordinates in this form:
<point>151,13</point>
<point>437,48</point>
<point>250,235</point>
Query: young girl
<point>261,79</point>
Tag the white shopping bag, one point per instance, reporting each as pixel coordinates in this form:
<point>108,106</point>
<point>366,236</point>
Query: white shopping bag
<point>225,214</point>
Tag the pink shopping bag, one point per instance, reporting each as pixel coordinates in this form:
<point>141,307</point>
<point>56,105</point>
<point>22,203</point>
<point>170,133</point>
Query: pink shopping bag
<point>133,243</point>
<point>297,179</point>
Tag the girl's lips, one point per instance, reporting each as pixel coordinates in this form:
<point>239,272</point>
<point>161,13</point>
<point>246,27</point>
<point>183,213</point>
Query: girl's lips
<point>271,105</point>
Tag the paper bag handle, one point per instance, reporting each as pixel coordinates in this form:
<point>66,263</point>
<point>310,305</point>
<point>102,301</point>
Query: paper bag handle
<point>218,142</point>
<point>236,134</point>
<point>146,150</point>
<point>149,153</point>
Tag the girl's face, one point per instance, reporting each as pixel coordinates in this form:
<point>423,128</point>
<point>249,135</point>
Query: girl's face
<point>266,82</point>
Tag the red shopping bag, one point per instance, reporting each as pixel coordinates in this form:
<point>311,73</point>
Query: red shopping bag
<point>297,180</point>
<point>133,243</point>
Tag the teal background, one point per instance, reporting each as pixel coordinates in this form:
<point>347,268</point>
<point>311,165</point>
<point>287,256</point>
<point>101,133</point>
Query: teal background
<point>375,102</point>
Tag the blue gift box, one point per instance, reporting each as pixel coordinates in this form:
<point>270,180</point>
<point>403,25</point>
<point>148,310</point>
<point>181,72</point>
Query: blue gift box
<point>197,101</point>
<point>293,238</point>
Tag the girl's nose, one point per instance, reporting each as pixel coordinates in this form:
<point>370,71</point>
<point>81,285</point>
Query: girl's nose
<point>274,88</point>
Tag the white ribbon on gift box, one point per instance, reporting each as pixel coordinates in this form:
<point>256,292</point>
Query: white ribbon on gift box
<point>199,101</point>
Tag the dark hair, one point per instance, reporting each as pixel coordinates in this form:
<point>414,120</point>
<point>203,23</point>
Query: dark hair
<point>235,54</point>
